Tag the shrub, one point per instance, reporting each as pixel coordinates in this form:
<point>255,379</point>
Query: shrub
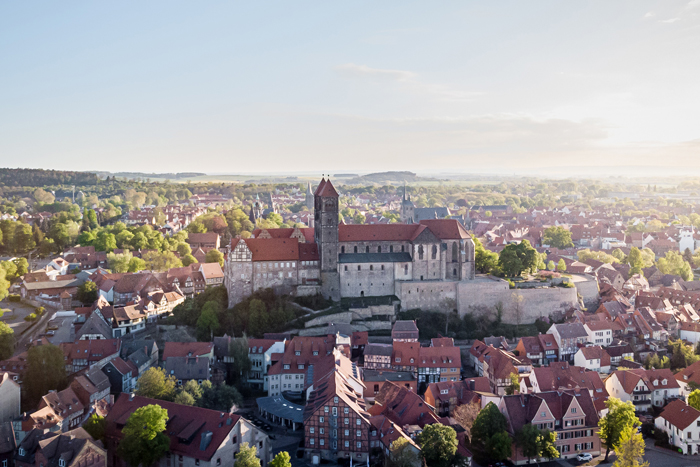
<point>31,317</point>
<point>14,298</point>
<point>40,311</point>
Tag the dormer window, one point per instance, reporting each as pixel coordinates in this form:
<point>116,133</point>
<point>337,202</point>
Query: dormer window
<point>664,382</point>
<point>297,353</point>
<point>335,399</point>
<point>398,359</point>
<point>443,391</point>
<point>656,382</point>
<point>301,366</point>
<point>315,352</point>
<point>286,367</point>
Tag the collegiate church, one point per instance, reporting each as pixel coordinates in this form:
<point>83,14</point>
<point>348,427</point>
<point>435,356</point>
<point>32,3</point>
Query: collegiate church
<point>340,260</point>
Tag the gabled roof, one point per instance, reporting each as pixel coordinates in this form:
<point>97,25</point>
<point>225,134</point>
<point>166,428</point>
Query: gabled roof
<point>193,431</point>
<point>187,349</point>
<point>379,232</point>
<point>446,229</point>
<point>325,189</point>
<point>680,415</point>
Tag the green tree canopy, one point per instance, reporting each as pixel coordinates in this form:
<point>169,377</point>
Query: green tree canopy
<point>95,426</point>
<point>156,384</point>
<point>87,293</point>
<point>673,263</point>
<point>46,370</point>
<point>518,258</point>
<point>694,399</point>
<point>144,439</point>
<point>558,237</point>
<point>620,416</point>
<point>403,454</point>
<point>438,444</point>
<point>282,459</point>
<point>561,265</point>
<point>485,261</point>
<point>246,457</point>
<point>630,449</point>
<point>7,341</point>
<point>214,256</point>
<point>635,260</point>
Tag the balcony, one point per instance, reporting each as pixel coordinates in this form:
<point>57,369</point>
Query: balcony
<point>640,393</point>
<point>641,402</point>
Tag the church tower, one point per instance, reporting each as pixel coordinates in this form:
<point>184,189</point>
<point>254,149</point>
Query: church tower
<point>408,214</point>
<point>326,235</point>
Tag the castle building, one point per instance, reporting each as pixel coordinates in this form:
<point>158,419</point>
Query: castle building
<point>341,260</point>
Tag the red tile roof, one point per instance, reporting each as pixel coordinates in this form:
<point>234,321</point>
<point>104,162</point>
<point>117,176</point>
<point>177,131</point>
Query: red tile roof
<point>446,229</point>
<point>680,414</point>
<point>193,431</point>
<point>379,232</point>
<point>326,189</point>
<point>186,349</point>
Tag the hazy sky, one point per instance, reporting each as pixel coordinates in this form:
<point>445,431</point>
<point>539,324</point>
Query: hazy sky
<point>225,87</point>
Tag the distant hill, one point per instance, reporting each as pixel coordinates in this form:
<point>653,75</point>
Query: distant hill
<point>167,176</point>
<point>41,177</point>
<point>386,177</point>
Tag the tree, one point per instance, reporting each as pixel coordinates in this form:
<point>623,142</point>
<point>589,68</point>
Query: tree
<point>402,454</point>
<point>214,256</point>
<point>188,259</point>
<point>630,450</point>
<point>183,249</point>
<point>585,255</point>
<point>514,384</point>
<point>516,258</point>
<point>87,293</point>
<point>221,397</point>
<point>95,426</point>
<point>22,266</point>
<point>7,341</point>
<point>24,238</point>
<point>673,263</point>
<point>43,196</point>
<point>620,416</point>
<point>438,444</point>
<point>558,237</point>
<point>282,459</point>
<point>619,254</point>
<point>485,261</point>
<point>144,439</point>
<point>238,350</point>
<point>561,265</point>
<point>257,317</point>
<point>46,370</point>
<point>488,432</point>
<point>635,260</point>
<point>105,241</point>
<point>688,256</point>
<point>156,384</point>
<point>4,283</point>
<point>465,414</point>
<point>683,355</point>
<point>246,457</point>
<point>208,322</point>
<point>551,266</point>
<point>184,398</point>
<point>694,399</point>
<point>157,261</point>
<point>119,262</point>
<point>136,265</point>
<point>536,443</point>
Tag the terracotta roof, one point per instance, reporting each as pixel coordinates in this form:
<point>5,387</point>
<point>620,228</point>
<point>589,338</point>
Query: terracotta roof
<point>193,431</point>
<point>402,406</point>
<point>680,414</point>
<point>596,352</point>
<point>446,229</point>
<point>186,349</point>
<point>326,189</point>
<point>379,232</point>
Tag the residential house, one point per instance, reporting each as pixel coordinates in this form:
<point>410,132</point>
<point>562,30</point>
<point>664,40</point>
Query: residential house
<point>448,395</point>
<point>185,369</point>
<point>378,356</point>
<point>570,414</point>
<point>618,351</point>
<point>212,273</point>
<point>593,358</point>
<point>62,410</point>
<point>385,432</point>
<point>10,397</point>
<point>600,332</point>
<point>75,448</point>
<point>404,331</point>
<point>336,422</point>
<point>292,371</point>
<point>375,379</point>
<point>198,436</point>
<point>403,406</point>
<point>541,349</point>
<point>569,336</point>
<point>690,332</point>
<point>631,385</point>
<point>122,375</point>
<point>681,423</point>
<point>206,241</point>
<point>81,355</point>
<point>8,444</point>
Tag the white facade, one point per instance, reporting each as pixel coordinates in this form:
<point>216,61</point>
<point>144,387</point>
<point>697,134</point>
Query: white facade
<point>602,337</point>
<point>590,364</point>
<point>640,396</point>
<point>687,439</point>
<point>691,336</point>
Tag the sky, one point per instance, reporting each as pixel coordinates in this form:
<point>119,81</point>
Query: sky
<point>361,86</point>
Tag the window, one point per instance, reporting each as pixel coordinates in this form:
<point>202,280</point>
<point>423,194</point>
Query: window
<point>573,410</point>
<point>371,267</point>
<point>347,421</point>
<point>358,433</point>
<point>346,410</point>
<point>196,462</point>
<point>335,400</point>
<point>420,251</point>
<point>311,430</point>
<point>321,430</point>
<point>359,268</point>
<point>359,444</point>
<point>359,422</point>
<point>311,441</point>
<point>690,435</point>
<point>342,249</point>
<point>347,444</point>
<point>322,441</point>
<point>325,409</point>
<point>434,252</point>
<point>391,248</point>
<point>218,461</point>
<point>347,432</point>
<point>346,268</point>
<point>379,249</point>
<point>367,249</point>
<point>335,411</point>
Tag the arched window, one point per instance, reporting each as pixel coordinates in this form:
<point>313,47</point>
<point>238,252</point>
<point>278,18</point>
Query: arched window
<point>454,272</point>
<point>342,249</point>
<point>455,253</point>
<point>405,269</point>
<point>434,251</point>
<point>420,251</point>
<point>355,248</point>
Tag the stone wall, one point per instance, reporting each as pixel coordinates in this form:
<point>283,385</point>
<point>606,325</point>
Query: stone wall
<point>342,317</point>
<point>359,314</point>
<point>356,326</point>
<point>482,295</point>
<point>587,287</point>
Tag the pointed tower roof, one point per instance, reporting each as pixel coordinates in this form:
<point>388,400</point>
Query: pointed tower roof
<point>308,189</point>
<point>326,189</point>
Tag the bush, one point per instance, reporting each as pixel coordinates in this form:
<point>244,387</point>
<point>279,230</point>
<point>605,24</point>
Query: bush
<point>40,311</point>
<point>14,298</point>
<point>31,317</point>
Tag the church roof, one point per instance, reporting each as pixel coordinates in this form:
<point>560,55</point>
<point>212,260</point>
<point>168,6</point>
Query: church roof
<point>374,258</point>
<point>326,189</point>
<point>379,232</point>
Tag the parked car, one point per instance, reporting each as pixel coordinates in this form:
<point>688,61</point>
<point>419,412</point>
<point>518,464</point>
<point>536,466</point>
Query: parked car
<point>584,457</point>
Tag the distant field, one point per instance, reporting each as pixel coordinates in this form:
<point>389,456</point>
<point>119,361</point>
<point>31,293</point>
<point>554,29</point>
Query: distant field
<point>240,179</point>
